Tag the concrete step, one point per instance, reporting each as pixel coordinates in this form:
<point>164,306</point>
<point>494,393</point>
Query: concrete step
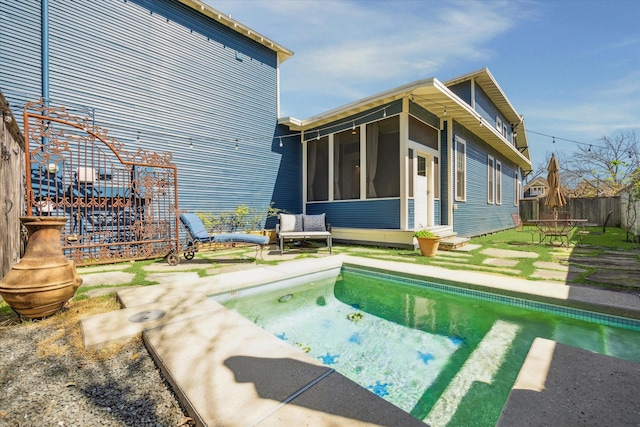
<point>453,242</point>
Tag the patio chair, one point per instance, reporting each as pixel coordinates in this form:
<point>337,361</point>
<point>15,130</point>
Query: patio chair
<point>198,238</point>
<point>520,226</point>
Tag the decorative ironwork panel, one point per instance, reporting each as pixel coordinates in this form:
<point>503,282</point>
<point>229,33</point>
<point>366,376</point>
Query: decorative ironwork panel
<point>121,205</point>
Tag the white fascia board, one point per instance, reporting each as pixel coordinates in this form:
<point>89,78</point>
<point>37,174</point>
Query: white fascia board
<point>226,20</point>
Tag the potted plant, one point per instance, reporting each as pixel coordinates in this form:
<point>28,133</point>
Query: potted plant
<point>428,242</point>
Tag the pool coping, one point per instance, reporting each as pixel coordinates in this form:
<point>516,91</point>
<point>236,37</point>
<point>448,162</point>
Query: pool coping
<point>211,355</point>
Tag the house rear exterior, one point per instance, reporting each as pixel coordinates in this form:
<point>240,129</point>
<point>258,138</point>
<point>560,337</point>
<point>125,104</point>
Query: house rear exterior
<point>445,156</point>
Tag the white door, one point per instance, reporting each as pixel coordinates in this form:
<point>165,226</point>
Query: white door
<point>421,193</point>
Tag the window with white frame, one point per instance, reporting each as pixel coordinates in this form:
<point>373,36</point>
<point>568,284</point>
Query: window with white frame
<point>491,171</point>
<point>461,169</point>
<point>499,124</point>
<point>498,182</point>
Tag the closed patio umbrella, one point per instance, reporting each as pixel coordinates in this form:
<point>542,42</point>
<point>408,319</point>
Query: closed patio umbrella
<point>555,199</point>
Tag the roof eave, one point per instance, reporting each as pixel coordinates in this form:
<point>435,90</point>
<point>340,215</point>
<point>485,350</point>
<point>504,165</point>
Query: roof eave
<point>198,5</point>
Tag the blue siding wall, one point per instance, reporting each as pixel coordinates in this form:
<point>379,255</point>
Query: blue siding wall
<point>383,213</point>
<point>412,213</point>
<point>487,109</point>
<point>476,216</point>
<point>348,122</point>
<point>463,90</point>
<point>162,77</point>
<point>423,114</point>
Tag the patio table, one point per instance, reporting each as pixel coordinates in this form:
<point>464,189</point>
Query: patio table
<point>561,227</point>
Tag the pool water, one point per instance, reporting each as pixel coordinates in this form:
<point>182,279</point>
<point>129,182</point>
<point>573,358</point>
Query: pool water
<point>444,356</point>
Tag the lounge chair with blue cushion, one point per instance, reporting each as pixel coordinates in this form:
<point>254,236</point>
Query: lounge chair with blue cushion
<point>199,238</point>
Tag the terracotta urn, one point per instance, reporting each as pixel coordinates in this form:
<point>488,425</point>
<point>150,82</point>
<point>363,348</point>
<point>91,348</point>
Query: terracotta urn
<point>44,279</point>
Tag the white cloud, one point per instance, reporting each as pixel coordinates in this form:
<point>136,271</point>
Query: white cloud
<point>345,50</point>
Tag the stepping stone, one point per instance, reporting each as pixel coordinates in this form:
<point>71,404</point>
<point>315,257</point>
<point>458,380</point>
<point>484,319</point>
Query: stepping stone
<point>98,292</point>
<point>109,278</point>
<point>452,254</point>
<point>173,278</point>
<point>101,268</point>
<point>467,248</point>
<point>506,253</point>
<point>558,267</point>
<point>564,276</point>
<point>501,262</point>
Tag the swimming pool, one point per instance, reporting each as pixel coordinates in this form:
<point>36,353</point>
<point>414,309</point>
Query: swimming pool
<point>443,354</point>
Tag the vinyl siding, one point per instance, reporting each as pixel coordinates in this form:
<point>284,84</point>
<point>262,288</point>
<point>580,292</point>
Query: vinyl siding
<point>376,214</point>
<point>476,216</point>
<point>345,123</point>
<point>163,77</point>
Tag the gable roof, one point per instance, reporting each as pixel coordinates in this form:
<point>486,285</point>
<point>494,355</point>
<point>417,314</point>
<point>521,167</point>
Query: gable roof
<point>226,20</point>
<point>436,97</point>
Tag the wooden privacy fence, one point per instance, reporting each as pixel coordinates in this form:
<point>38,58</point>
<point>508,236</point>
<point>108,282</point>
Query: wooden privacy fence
<point>121,205</point>
<point>11,188</point>
<point>594,209</point>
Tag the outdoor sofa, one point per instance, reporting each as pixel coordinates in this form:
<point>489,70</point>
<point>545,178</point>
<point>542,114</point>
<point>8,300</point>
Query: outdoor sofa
<point>298,227</point>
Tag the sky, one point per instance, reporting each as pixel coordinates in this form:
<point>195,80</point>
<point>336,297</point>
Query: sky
<point>572,68</point>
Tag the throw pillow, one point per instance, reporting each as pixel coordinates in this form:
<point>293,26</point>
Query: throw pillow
<point>314,222</point>
<point>287,223</point>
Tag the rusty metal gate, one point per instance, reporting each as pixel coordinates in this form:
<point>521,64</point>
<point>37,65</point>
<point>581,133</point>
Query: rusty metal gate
<point>121,205</point>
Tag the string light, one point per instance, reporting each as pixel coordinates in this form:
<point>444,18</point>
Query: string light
<point>384,114</point>
<point>190,143</point>
<point>236,143</point>
<point>281,144</point>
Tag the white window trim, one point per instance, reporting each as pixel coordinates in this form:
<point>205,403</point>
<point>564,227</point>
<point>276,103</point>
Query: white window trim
<point>499,124</point>
<point>491,180</point>
<point>463,198</point>
<point>498,182</point>
<point>516,189</point>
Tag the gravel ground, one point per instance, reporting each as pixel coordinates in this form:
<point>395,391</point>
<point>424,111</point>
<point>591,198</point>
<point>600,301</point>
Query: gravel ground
<point>67,389</point>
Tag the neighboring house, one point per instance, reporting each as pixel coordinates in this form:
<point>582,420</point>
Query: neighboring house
<point>162,75</point>
<point>427,154</point>
<point>536,188</point>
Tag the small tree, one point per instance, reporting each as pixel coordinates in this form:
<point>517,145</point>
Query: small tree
<point>602,169</point>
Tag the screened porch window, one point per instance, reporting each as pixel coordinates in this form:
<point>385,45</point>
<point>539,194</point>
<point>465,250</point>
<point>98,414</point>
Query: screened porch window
<point>346,165</point>
<point>422,133</point>
<point>383,158</point>
<point>318,169</point>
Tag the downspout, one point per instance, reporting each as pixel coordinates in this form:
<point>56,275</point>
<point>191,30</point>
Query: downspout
<point>44,49</point>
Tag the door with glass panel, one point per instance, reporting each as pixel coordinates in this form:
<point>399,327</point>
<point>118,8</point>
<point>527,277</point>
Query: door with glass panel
<point>421,192</point>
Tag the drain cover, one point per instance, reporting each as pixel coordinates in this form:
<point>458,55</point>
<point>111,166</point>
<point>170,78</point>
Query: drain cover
<point>145,316</point>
